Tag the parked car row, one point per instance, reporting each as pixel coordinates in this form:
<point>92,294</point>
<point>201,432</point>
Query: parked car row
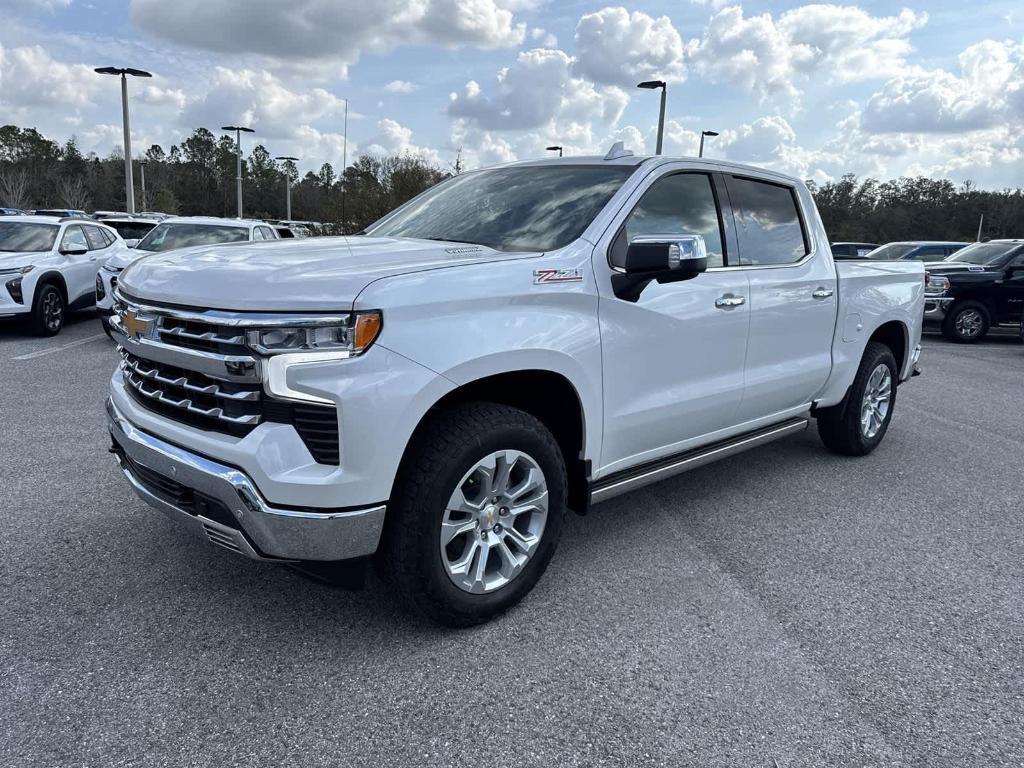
<point>971,287</point>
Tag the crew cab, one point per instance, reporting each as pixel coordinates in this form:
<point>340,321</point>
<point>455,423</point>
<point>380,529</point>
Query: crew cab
<point>975,289</point>
<point>514,342</point>
<point>48,267</point>
<point>166,235</point>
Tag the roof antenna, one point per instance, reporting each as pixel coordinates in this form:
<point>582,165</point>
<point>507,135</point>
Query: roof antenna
<point>618,150</point>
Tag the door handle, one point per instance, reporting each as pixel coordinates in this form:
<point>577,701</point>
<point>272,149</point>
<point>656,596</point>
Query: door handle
<point>822,293</point>
<point>729,301</point>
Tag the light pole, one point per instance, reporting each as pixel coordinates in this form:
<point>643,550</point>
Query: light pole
<point>142,178</point>
<point>652,85</point>
<point>129,186</point>
<point>555,148</point>
<point>344,167</point>
<point>287,186</point>
<point>238,153</point>
<point>711,134</point>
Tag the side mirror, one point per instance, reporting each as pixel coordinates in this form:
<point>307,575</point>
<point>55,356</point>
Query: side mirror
<point>131,242</point>
<point>662,258</point>
<point>74,251</point>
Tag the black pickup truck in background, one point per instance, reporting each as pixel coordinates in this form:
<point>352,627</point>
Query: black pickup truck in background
<point>975,289</point>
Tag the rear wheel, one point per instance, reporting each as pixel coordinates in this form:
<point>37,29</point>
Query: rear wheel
<point>966,322</point>
<point>857,425</point>
<point>477,513</point>
<point>48,310</point>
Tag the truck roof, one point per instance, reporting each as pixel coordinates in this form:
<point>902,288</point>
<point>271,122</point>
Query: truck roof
<point>653,160</point>
<point>210,220</point>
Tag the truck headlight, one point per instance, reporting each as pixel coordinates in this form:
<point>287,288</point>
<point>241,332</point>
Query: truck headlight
<point>287,347</point>
<point>352,335</point>
<point>935,285</point>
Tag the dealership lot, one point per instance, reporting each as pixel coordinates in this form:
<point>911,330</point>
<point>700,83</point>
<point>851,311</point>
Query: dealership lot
<point>783,607</point>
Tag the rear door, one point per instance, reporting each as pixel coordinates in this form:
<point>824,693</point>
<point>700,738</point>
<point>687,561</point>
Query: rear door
<point>793,302</point>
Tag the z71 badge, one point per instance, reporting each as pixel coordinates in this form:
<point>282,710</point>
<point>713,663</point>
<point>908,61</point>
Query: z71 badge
<point>574,275</point>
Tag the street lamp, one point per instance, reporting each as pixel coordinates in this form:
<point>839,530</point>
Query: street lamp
<point>555,148</point>
<point>288,186</point>
<point>142,174</point>
<point>238,153</point>
<point>652,85</point>
<point>129,186</point>
<point>712,134</point>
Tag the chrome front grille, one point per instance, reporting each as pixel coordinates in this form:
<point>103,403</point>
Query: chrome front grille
<point>196,368</point>
<point>202,400</point>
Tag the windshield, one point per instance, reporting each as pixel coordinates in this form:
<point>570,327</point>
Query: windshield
<point>892,251</point>
<point>131,230</point>
<point>164,237</point>
<point>532,208</point>
<point>983,253</point>
<point>21,236</point>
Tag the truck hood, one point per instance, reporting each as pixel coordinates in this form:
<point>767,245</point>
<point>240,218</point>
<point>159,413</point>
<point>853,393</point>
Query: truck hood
<point>319,274</point>
<point>952,267</point>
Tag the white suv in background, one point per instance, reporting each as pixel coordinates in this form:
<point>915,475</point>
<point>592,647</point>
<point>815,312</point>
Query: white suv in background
<point>48,266</point>
<point>177,232</point>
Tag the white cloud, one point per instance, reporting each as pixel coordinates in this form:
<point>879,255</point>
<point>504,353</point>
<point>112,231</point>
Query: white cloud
<point>35,5</point>
<point>260,100</point>
<point>393,138</point>
<point>987,93</point>
<point>538,88</point>
<point>543,38</point>
<point>319,31</point>
<point>400,86</point>
<point>617,47</point>
<point>31,78</point>
<point>769,56</point>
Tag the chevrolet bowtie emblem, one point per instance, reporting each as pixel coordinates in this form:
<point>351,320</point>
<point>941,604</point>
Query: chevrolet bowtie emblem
<point>136,327</point>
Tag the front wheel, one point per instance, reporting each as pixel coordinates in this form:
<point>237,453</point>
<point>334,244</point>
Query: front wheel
<point>48,311</point>
<point>477,513</point>
<point>966,323</point>
<point>857,425</point>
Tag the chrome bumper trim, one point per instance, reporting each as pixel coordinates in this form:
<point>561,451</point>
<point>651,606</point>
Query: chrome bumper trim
<point>265,532</point>
<point>935,307</point>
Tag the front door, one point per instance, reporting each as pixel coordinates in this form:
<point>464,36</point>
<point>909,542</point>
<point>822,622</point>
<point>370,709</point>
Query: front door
<point>78,269</point>
<point>1009,292</point>
<point>673,358</point>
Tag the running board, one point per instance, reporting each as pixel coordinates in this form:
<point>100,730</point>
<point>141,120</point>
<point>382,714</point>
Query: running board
<point>655,471</point>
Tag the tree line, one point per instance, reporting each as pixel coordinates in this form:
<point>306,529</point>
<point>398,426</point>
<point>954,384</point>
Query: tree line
<point>197,177</point>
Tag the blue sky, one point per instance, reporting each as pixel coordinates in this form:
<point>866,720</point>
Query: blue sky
<point>816,90</point>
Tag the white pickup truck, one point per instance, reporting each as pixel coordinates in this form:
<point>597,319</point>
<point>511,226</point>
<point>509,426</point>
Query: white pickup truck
<point>513,343</point>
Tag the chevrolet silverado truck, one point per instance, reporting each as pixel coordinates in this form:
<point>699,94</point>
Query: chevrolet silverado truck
<point>513,343</point>
<point>975,289</point>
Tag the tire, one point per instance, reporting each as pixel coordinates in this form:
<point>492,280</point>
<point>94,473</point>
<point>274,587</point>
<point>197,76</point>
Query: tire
<point>444,464</point>
<point>843,428</point>
<point>967,322</point>
<point>48,310</point>
<point>106,328</point>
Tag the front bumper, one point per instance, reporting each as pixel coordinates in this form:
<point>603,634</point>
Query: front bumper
<point>222,503</point>
<point>935,308</point>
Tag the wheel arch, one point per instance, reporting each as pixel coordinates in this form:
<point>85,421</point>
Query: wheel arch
<point>896,336</point>
<point>560,409</point>
<point>51,277</point>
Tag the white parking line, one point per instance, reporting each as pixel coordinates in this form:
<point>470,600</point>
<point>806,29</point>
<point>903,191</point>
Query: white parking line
<point>40,353</point>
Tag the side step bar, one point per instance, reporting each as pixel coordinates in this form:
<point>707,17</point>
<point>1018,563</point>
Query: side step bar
<point>655,471</point>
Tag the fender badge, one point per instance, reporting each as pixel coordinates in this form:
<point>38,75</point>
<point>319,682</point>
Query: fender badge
<point>574,275</point>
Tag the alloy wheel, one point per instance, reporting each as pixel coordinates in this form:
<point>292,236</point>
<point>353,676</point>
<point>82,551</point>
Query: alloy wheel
<point>493,522</point>
<point>53,311</point>
<point>968,323</point>
<point>877,401</point>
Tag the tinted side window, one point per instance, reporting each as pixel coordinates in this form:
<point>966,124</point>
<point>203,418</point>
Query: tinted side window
<point>95,238</point>
<point>74,239</point>
<point>680,204</point>
<point>770,230</point>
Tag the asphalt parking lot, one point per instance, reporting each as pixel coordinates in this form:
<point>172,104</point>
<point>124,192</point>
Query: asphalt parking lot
<point>783,608</point>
